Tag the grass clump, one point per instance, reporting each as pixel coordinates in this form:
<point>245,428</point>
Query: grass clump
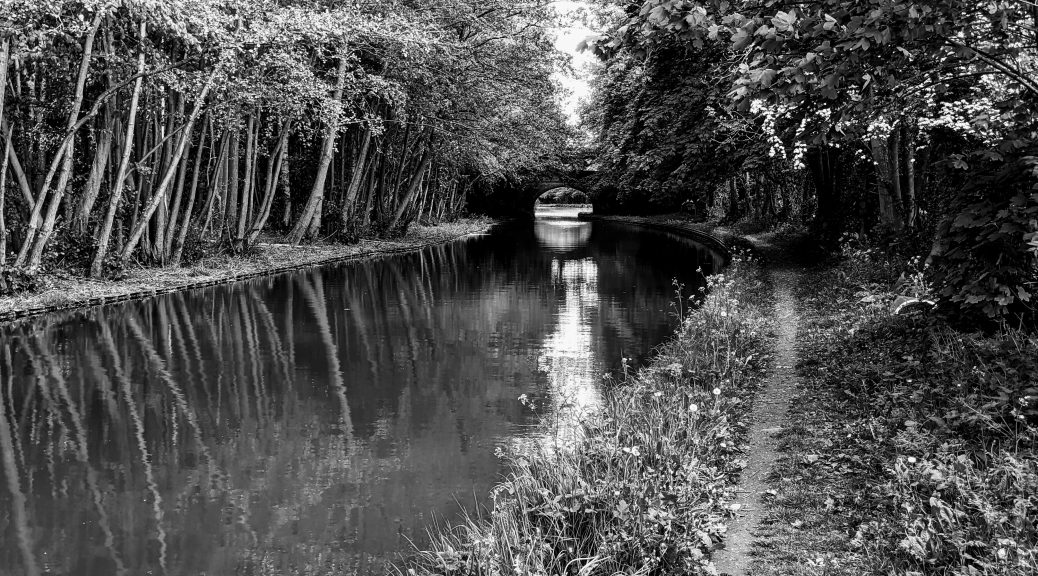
<point>646,489</point>
<point>924,437</point>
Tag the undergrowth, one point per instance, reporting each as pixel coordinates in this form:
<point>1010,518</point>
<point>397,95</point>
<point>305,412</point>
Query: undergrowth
<point>647,489</point>
<point>913,445</point>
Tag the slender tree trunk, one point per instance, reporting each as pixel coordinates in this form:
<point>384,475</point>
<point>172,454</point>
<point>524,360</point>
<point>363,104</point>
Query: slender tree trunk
<point>5,56</point>
<point>178,199</point>
<point>37,241</point>
<point>124,163</point>
<point>211,204</point>
<point>894,153</point>
<point>160,193</point>
<point>19,172</point>
<point>97,170</point>
<point>911,210</point>
<point>3,197</point>
<point>356,177</point>
<point>181,235</point>
<point>413,187</point>
<point>245,210</point>
<point>230,214</point>
<point>286,187</point>
<point>274,167</point>
<point>305,221</point>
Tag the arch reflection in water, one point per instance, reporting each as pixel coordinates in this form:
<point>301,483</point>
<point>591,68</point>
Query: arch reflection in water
<point>561,234</point>
<point>307,423</point>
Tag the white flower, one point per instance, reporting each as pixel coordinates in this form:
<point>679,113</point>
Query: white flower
<point>717,391</point>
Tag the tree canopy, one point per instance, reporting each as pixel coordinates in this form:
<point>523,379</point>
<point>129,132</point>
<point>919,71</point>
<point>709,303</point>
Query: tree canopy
<point>913,118</point>
<point>127,124</point>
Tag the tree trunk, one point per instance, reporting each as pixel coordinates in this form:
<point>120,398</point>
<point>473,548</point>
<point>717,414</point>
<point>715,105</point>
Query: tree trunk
<point>357,177</point>
<point>3,196</point>
<point>35,242</point>
<point>246,192</point>
<point>275,165</point>
<point>413,187</point>
<point>826,175</point>
<point>912,209</point>
<point>304,224</point>
<point>230,213</point>
<point>894,153</point>
<point>181,235</point>
<point>124,163</point>
<point>97,170</point>
<point>19,173</point>
<point>160,193</point>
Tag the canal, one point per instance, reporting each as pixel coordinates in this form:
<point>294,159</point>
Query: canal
<point>315,422</point>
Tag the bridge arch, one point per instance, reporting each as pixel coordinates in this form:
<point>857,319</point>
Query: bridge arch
<point>518,199</point>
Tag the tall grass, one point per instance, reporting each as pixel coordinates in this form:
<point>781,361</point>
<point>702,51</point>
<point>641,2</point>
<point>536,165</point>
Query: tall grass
<point>646,490</point>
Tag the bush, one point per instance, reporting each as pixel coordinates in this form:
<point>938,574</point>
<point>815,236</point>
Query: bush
<point>16,281</point>
<point>72,253</point>
<point>986,265</point>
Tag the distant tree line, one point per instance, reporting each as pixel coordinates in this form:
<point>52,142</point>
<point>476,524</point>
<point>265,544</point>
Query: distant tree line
<point>910,121</point>
<point>140,129</point>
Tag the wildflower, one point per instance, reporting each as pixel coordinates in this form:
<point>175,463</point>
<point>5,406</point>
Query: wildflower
<point>717,391</point>
<point>693,408</point>
<point>523,399</point>
<point>911,460</point>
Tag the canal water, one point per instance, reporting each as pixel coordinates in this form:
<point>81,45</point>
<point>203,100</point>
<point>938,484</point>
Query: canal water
<point>315,422</point>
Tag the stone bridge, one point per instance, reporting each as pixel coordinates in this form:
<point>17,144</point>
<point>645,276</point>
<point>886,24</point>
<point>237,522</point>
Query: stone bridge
<point>516,199</point>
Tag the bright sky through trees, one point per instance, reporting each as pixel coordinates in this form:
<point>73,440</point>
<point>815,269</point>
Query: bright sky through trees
<point>570,33</point>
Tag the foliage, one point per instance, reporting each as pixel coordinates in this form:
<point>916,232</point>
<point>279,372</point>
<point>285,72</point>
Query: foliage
<point>879,118</point>
<point>986,266</point>
<point>563,196</point>
<point>208,116</point>
<point>646,489</point>
<point>17,281</point>
<point>71,253</point>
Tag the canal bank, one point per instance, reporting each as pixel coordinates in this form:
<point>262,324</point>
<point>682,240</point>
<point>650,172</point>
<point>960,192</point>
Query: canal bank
<point>64,292</point>
<point>652,486</point>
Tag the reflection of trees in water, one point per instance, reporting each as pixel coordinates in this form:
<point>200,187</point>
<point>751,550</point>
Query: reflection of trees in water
<point>292,421</point>
<point>205,431</point>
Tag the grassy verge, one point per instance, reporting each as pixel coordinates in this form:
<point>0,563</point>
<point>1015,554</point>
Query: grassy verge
<point>914,446</point>
<point>65,291</point>
<point>647,489</point>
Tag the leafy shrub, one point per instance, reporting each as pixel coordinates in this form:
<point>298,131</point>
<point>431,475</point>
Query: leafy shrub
<point>986,265</point>
<point>960,517</point>
<point>72,253</point>
<point>195,247</point>
<point>16,281</point>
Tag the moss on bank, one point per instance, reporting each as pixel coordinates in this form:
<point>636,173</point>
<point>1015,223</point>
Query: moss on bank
<point>61,292</point>
<point>647,489</point>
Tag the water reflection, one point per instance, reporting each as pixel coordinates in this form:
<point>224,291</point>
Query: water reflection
<point>562,235</point>
<point>310,423</point>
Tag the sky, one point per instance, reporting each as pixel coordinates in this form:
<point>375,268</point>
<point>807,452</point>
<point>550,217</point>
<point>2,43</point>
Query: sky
<point>568,37</point>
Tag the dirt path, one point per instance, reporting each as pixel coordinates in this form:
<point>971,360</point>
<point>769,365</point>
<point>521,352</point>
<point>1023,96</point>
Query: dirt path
<point>767,420</point>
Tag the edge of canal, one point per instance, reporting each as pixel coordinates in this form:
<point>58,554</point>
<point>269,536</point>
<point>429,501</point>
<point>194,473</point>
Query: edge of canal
<point>17,314</point>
